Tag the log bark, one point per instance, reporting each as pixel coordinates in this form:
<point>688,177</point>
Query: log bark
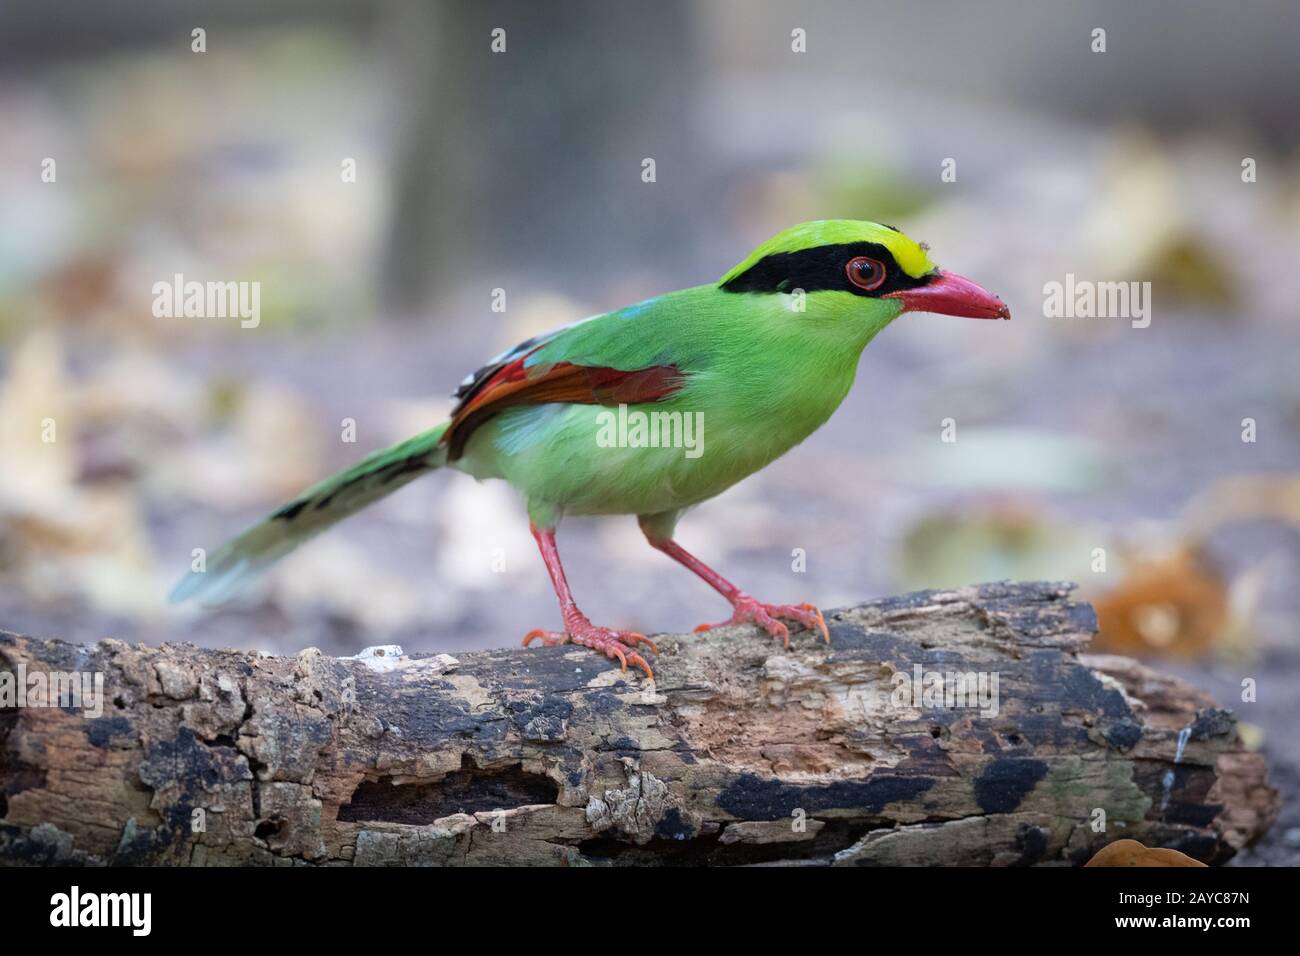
<point>740,752</point>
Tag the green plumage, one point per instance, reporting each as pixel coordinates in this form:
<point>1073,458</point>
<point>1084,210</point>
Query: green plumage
<point>763,370</point>
<point>763,378</point>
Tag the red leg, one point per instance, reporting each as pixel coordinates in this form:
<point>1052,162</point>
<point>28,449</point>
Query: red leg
<point>577,628</point>
<point>748,610</point>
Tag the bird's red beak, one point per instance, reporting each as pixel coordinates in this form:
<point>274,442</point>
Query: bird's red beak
<point>950,294</point>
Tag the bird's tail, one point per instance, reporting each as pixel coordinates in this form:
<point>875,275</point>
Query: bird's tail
<point>316,509</point>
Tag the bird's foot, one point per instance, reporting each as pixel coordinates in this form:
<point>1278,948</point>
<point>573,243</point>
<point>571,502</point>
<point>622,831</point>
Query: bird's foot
<point>767,616</point>
<point>612,643</point>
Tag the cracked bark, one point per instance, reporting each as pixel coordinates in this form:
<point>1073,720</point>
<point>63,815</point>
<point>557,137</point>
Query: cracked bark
<point>742,753</point>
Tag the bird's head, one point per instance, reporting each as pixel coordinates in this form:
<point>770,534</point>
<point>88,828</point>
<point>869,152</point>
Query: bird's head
<point>847,267</point>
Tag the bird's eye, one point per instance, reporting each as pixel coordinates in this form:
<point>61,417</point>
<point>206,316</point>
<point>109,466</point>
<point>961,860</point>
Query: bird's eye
<point>866,273</point>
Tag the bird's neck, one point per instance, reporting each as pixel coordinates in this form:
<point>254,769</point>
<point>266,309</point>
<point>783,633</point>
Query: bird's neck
<point>794,383</point>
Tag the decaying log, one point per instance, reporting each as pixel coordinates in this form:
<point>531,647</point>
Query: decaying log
<point>742,752</point>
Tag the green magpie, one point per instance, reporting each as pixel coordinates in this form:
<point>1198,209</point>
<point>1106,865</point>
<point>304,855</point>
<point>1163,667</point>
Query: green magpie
<point>760,359</point>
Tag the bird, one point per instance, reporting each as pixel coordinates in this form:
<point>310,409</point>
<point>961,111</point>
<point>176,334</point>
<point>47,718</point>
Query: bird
<point>744,369</point>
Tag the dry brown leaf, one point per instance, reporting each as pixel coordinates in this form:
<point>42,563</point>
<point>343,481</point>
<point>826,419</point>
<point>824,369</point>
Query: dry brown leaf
<point>1133,853</point>
<point>1174,606</point>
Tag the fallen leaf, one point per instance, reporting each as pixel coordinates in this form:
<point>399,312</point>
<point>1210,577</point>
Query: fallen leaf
<point>1133,853</point>
<point>1175,606</point>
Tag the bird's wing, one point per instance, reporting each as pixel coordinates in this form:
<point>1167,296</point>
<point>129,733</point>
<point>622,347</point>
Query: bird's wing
<point>475,382</point>
<point>536,372</point>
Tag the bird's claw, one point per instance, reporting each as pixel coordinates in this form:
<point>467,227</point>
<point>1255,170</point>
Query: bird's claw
<point>766,616</point>
<point>606,640</point>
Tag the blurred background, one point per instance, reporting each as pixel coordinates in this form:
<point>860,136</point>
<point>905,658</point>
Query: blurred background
<point>380,171</point>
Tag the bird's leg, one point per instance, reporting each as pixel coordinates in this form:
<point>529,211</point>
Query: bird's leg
<point>748,610</point>
<point>577,628</point>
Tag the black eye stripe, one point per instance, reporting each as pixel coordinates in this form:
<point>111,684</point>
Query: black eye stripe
<point>821,268</point>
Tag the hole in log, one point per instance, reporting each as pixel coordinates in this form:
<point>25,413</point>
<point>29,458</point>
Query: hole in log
<point>467,790</point>
<point>15,776</point>
<point>268,828</point>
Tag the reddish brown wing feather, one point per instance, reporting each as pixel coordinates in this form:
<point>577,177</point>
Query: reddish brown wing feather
<point>563,382</point>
